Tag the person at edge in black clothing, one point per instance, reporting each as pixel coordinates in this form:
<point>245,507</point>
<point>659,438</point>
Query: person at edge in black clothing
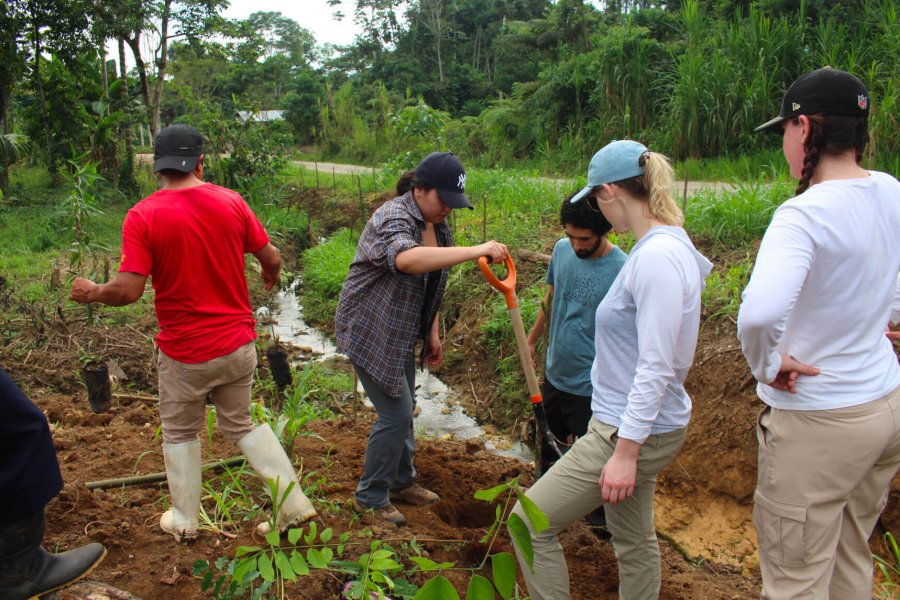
<point>29,479</point>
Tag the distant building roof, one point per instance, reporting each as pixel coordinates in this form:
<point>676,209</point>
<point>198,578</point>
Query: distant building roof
<point>260,116</point>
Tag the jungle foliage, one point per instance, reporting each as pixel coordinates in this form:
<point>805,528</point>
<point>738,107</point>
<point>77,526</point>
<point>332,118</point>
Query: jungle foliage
<point>535,83</point>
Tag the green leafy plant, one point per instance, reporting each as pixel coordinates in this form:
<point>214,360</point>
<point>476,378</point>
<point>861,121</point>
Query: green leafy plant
<point>80,205</point>
<point>379,570</point>
<point>297,410</point>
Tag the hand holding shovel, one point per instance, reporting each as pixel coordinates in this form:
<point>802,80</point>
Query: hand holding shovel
<point>507,287</point>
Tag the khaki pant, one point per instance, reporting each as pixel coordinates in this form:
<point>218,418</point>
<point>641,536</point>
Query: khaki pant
<point>823,481</point>
<point>570,490</point>
<point>184,389</point>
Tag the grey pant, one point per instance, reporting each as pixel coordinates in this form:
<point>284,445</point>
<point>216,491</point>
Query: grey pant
<point>392,444</point>
<point>570,490</point>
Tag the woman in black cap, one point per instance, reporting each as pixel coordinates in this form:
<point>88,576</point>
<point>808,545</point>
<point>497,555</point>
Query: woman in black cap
<point>812,325</point>
<point>389,301</point>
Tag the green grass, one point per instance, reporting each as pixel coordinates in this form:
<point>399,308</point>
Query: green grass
<point>324,269</point>
<point>768,165</point>
<point>735,219</point>
<point>35,237</point>
<point>722,295</point>
<point>285,225</point>
<point>343,185</point>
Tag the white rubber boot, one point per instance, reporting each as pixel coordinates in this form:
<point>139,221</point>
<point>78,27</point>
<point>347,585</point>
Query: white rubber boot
<point>183,474</point>
<point>270,461</point>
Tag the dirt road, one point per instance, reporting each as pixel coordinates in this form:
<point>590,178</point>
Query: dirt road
<point>343,169</point>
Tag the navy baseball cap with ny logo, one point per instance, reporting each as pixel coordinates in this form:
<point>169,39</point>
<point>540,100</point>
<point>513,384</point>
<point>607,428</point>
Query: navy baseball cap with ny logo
<point>444,172</point>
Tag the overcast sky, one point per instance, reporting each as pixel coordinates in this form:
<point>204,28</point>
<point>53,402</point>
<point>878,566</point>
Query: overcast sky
<point>314,15</point>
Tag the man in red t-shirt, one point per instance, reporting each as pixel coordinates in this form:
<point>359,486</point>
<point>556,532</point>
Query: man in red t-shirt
<point>190,238</point>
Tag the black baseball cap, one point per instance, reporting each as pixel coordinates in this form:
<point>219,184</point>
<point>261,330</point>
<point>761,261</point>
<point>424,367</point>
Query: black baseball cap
<point>444,172</point>
<point>824,91</point>
<point>177,147</point>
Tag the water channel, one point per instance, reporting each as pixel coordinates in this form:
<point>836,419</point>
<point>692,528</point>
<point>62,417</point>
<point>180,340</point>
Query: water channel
<point>440,415</point>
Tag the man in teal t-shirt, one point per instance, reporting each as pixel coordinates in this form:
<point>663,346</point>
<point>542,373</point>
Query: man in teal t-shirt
<point>582,269</point>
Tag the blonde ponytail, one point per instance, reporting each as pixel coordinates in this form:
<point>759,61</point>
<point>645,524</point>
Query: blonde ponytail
<point>655,187</point>
<point>660,181</point>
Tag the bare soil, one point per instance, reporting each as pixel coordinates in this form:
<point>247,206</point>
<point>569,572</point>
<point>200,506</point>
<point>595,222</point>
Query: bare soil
<point>703,501</point>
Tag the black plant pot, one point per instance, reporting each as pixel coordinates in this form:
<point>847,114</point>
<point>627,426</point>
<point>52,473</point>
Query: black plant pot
<point>279,366</point>
<point>96,378</point>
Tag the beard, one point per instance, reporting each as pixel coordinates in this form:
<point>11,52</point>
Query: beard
<point>590,251</point>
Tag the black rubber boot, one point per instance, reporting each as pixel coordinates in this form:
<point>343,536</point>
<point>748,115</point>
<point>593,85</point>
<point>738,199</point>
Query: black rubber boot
<point>596,520</point>
<point>29,571</point>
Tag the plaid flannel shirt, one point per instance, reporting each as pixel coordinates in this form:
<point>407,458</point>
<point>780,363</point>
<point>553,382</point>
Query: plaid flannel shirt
<point>379,314</point>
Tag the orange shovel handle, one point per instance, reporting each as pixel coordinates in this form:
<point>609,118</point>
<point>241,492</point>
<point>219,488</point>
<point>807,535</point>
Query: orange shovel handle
<point>505,286</point>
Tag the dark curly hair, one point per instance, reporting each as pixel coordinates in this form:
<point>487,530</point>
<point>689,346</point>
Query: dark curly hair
<point>579,214</point>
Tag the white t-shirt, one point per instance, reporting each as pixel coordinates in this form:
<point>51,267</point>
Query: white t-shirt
<point>825,285</point>
<point>645,336</point>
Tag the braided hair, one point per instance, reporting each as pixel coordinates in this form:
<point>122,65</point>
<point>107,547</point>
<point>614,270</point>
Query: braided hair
<point>831,135</point>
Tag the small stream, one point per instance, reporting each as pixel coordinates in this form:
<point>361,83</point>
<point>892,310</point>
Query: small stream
<point>440,415</point>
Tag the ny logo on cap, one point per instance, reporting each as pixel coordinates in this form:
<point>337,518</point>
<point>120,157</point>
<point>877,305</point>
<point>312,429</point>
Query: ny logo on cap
<point>461,184</point>
<point>862,101</point>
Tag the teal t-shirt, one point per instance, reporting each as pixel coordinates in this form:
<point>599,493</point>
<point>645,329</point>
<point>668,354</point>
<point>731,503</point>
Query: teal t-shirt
<point>578,287</point>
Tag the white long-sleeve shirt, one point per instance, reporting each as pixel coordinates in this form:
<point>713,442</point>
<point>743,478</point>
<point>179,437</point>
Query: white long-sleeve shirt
<point>825,284</point>
<point>645,336</point>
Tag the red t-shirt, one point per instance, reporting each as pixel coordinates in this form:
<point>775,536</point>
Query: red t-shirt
<point>192,242</point>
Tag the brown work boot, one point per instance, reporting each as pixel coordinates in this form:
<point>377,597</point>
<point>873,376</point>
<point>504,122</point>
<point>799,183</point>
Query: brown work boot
<point>415,495</point>
<point>385,513</point>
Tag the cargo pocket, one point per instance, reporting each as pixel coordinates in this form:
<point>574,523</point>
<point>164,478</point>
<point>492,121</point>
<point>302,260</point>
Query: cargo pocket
<point>780,526</point>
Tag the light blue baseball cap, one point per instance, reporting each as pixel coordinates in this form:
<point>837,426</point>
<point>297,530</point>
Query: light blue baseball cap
<point>615,161</point>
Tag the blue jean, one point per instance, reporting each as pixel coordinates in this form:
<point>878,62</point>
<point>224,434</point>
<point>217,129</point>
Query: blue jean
<point>392,444</point>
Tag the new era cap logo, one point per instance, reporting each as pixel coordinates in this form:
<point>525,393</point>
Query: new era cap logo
<point>795,106</point>
<point>461,184</point>
<point>862,101</point>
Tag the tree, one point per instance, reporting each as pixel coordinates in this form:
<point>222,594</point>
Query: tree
<point>46,27</point>
<point>136,20</point>
<point>12,59</point>
<point>302,105</point>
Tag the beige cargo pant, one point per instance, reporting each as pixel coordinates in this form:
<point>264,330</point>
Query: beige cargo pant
<point>570,490</point>
<point>823,480</point>
<point>184,389</point>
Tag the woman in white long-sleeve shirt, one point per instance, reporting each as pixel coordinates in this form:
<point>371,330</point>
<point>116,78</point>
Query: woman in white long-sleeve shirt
<point>812,325</point>
<point>645,336</point>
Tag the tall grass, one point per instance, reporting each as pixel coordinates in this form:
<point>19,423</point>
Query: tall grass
<point>324,269</point>
<point>734,219</point>
<point>510,206</point>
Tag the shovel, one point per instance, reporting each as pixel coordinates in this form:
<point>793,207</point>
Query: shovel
<point>507,287</point>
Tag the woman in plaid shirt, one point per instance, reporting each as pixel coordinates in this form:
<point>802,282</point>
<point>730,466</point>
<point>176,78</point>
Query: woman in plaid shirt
<point>389,301</point>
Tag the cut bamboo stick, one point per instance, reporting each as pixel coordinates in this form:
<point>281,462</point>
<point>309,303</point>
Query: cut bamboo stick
<point>155,477</point>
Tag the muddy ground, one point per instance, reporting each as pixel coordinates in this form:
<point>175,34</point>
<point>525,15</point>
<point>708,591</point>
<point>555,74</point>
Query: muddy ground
<point>703,503</point>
